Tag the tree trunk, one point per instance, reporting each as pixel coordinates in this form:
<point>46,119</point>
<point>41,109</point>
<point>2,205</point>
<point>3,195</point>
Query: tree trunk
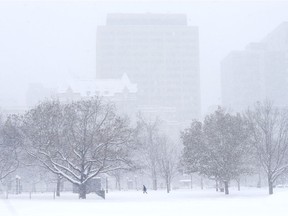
<point>221,186</point>
<point>191,179</point>
<point>82,191</point>
<point>168,188</point>
<point>154,177</point>
<point>168,185</point>
<point>17,185</point>
<point>136,184</point>
<point>58,186</point>
<point>259,181</point>
<point>154,184</point>
<point>238,184</point>
<point>226,187</point>
<point>34,187</point>
<point>118,183</point>
<point>270,185</point>
<point>106,184</point>
<point>201,183</point>
<point>217,186</point>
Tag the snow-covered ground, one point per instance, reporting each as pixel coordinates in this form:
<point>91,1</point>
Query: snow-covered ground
<point>254,202</point>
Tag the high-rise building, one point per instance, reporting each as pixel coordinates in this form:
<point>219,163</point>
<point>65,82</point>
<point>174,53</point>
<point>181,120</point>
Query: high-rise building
<point>257,73</point>
<point>160,53</point>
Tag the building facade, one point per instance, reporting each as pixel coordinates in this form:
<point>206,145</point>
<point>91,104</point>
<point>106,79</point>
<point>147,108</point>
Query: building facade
<point>122,92</point>
<point>160,53</point>
<point>257,73</point>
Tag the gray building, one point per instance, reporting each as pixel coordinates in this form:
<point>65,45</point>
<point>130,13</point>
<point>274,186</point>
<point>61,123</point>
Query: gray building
<point>257,73</point>
<point>160,53</point>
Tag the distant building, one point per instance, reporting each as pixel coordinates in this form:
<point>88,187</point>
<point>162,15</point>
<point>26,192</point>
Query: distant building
<point>257,73</point>
<point>121,91</point>
<point>37,92</point>
<point>160,53</point>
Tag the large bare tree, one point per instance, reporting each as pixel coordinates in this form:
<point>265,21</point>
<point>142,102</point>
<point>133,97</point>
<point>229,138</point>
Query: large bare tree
<point>270,139</point>
<point>78,141</point>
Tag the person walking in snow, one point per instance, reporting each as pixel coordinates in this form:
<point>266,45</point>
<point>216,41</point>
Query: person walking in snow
<point>144,189</point>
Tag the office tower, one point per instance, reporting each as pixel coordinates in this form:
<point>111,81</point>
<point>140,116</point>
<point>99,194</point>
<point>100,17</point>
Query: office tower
<point>257,73</point>
<point>160,53</point>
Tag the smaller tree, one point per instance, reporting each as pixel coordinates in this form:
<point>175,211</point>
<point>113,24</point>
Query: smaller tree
<point>192,140</point>
<point>10,143</point>
<point>226,147</point>
<point>219,148</point>
<point>147,137</point>
<point>168,160</point>
<point>269,127</point>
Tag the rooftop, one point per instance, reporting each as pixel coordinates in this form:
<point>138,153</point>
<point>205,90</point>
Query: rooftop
<point>101,87</point>
<point>146,19</point>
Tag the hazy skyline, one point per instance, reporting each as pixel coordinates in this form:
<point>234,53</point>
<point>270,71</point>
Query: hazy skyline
<point>50,42</point>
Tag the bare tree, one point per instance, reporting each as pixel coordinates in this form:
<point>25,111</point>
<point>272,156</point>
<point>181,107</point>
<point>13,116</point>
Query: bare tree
<point>148,151</point>
<point>78,141</point>
<point>117,174</point>
<point>269,127</point>
<point>168,160</point>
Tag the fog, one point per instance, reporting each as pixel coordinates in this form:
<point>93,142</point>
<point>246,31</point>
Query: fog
<point>133,93</point>
<point>52,42</point>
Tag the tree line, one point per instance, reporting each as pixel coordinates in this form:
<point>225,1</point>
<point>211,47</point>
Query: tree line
<point>80,140</point>
<point>225,146</point>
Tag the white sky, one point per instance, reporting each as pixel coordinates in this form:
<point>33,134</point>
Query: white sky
<point>49,42</point>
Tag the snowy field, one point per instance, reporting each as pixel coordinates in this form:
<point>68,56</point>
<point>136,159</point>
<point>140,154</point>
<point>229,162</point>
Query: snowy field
<point>248,202</point>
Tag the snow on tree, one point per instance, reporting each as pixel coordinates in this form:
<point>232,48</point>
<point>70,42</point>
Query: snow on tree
<point>79,140</point>
<point>219,149</point>
<point>192,140</point>
<point>10,143</point>
<point>269,127</point>
<point>226,147</point>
